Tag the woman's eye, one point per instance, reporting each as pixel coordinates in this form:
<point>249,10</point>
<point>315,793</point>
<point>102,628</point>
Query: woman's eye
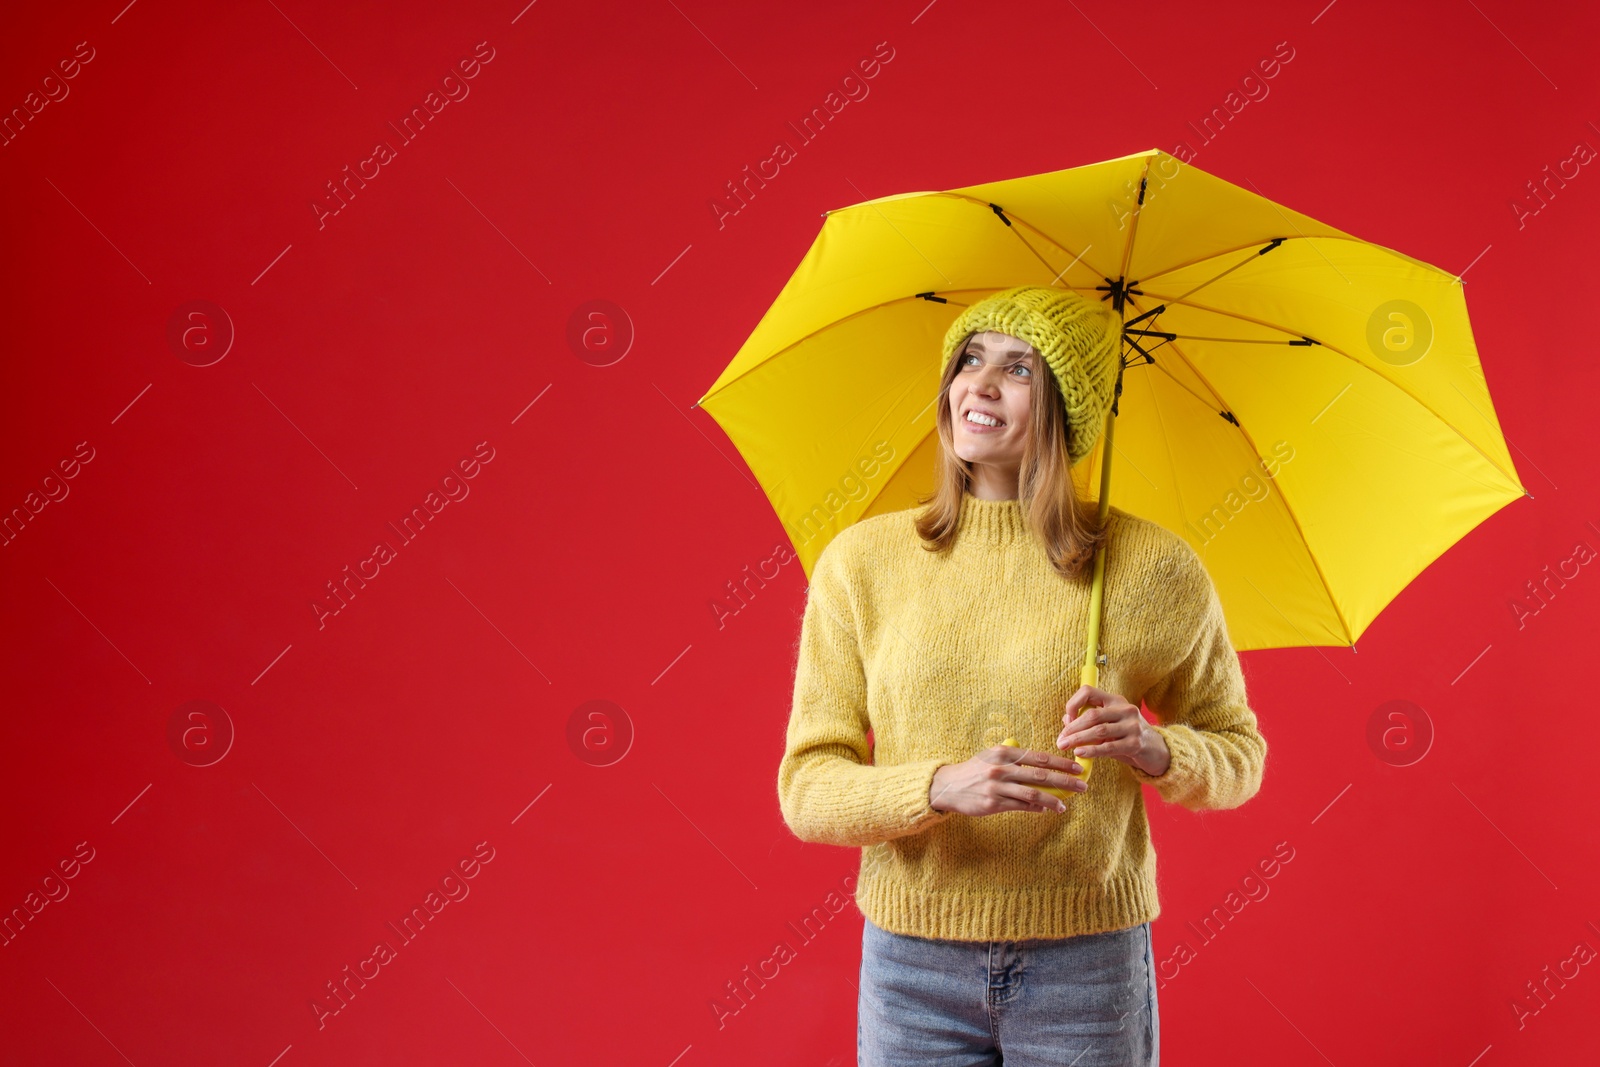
<point>972,359</point>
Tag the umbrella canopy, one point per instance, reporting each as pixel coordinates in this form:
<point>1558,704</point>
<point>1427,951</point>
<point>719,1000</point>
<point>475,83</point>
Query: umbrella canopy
<point>1306,408</point>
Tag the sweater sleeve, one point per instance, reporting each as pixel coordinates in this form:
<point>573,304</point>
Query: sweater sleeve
<point>828,790</point>
<point>1218,755</point>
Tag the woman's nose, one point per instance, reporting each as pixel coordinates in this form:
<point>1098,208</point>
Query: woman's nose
<point>989,379</point>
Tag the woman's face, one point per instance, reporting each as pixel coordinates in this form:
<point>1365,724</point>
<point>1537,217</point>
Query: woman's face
<point>994,377</point>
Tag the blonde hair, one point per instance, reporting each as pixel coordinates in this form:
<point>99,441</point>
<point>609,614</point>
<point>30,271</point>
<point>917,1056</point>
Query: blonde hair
<point>1067,525</point>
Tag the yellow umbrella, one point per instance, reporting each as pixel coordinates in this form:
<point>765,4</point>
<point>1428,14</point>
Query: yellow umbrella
<point>1306,408</point>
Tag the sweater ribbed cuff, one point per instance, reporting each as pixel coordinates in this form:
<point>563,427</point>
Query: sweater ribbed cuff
<point>915,804</point>
<point>1181,778</point>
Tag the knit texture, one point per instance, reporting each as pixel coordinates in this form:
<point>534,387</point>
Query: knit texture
<point>1079,339</point>
<point>941,656</point>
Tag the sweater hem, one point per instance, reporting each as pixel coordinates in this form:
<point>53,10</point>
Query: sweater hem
<point>996,914</point>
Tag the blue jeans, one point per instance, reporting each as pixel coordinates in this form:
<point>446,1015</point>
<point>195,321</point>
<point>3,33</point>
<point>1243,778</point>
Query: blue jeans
<point>1087,1001</point>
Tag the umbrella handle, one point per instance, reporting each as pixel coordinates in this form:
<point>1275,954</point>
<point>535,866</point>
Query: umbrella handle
<point>1064,794</point>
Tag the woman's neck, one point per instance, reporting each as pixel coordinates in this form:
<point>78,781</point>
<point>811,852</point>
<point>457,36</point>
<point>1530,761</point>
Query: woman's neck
<point>989,483</point>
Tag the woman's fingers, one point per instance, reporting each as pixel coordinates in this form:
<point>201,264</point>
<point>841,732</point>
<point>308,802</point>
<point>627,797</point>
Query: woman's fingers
<point>1029,758</point>
<point>1013,796</point>
<point>1040,769</point>
<point>1017,778</point>
<point>1106,734</point>
<point>1079,732</point>
<point>1088,694</point>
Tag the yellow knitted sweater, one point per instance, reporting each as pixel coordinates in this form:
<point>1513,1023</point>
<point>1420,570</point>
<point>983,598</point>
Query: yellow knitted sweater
<point>939,656</point>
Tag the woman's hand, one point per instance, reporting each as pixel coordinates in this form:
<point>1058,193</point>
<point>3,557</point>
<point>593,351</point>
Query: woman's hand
<point>1110,726</point>
<point>1004,778</point>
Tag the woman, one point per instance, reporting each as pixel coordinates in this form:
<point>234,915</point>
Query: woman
<point>1001,920</point>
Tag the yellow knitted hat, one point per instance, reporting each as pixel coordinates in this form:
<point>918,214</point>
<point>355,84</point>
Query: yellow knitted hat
<point>1079,338</point>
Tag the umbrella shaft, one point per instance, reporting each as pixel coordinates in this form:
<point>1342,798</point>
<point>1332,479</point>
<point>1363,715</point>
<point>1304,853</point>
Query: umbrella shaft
<point>1090,675</point>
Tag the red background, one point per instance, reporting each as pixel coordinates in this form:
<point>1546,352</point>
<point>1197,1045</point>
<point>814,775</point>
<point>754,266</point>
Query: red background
<point>435,710</point>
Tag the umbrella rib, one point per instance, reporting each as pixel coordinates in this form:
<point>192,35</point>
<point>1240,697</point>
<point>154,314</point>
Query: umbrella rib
<point>1166,441</point>
<point>801,340</point>
<point>1215,403</point>
<point>1013,217</point>
<point>846,318</point>
<point>1133,228</point>
<point>1209,255</point>
<point>1230,340</point>
<point>1250,442</point>
<point>1334,348</point>
<point>1276,241</point>
<point>1229,314</point>
<point>1054,277</point>
<point>1293,237</point>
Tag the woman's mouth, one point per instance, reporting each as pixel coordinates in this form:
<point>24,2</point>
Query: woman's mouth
<point>980,427</point>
